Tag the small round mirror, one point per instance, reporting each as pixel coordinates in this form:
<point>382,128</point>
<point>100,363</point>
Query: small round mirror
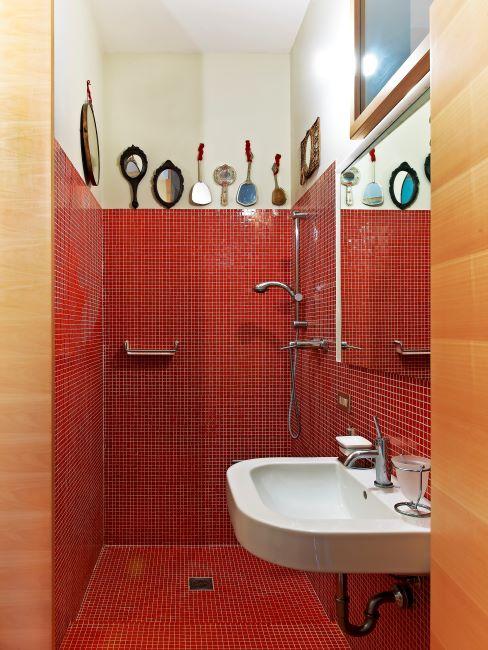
<point>350,177</point>
<point>89,144</point>
<point>133,165</point>
<point>168,184</point>
<point>404,186</point>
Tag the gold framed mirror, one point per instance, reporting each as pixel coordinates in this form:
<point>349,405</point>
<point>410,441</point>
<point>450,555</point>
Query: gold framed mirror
<point>310,152</point>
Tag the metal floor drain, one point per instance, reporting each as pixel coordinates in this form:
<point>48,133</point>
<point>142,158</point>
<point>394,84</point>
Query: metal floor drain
<point>200,584</point>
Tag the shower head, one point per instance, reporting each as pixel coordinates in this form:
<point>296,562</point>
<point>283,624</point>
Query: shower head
<point>262,287</point>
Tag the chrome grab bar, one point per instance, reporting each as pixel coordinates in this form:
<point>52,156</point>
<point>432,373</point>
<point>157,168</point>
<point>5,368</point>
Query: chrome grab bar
<point>345,346</point>
<point>151,353</point>
<point>409,352</point>
<point>321,344</point>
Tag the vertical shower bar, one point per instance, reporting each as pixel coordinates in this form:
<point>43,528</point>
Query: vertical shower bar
<point>297,265</point>
<point>293,406</point>
<point>296,218</point>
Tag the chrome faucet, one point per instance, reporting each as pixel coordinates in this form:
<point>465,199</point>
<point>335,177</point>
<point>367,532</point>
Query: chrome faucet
<point>380,456</point>
<point>264,286</point>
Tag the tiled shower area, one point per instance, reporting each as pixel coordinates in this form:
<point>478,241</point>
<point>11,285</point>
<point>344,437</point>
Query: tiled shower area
<point>142,444</point>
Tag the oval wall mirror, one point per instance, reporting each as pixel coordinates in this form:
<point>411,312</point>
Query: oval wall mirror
<point>168,184</point>
<point>90,150</point>
<point>404,186</point>
<point>133,165</point>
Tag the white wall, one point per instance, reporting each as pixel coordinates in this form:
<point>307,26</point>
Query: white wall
<point>168,103</point>
<point>410,143</point>
<point>322,73</point>
<point>77,57</point>
<point>247,96</point>
<point>153,101</point>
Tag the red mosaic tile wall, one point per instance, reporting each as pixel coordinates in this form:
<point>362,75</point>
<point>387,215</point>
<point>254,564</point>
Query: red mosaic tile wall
<point>78,406</point>
<point>402,404</point>
<point>173,425</point>
<point>385,268</point>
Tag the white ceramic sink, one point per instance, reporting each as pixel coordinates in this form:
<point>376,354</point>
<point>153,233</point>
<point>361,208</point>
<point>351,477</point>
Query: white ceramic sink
<point>316,515</point>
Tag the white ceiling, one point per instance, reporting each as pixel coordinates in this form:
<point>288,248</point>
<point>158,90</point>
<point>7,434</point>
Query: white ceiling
<point>198,25</point>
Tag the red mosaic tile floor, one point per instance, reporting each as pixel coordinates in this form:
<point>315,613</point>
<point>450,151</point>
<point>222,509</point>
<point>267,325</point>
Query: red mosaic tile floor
<point>138,598</point>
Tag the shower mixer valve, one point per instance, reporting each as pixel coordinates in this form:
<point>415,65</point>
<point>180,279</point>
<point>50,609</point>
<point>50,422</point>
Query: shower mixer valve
<point>317,344</point>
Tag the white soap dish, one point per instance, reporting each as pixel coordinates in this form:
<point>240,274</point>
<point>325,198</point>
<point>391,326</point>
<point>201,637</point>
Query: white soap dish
<point>348,444</point>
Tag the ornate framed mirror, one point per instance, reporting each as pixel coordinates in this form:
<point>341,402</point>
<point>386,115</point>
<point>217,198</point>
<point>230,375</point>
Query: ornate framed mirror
<point>133,165</point>
<point>90,150</point>
<point>310,152</point>
<point>404,186</point>
<point>168,184</point>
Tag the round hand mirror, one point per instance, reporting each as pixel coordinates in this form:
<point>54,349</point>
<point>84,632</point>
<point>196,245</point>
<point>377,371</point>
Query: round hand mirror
<point>168,184</point>
<point>404,186</point>
<point>349,178</point>
<point>133,164</point>
<point>90,150</point>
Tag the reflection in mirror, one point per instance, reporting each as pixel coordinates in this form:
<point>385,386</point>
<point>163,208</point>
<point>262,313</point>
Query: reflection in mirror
<point>308,150</point>
<point>133,164</point>
<point>168,184</point>
<point>385,260</point>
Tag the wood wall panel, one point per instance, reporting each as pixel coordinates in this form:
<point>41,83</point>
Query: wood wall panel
<point>459,78</point>
<point>25,325</point>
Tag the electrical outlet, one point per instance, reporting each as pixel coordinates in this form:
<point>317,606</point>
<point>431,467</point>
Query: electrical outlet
<point>344,402</point>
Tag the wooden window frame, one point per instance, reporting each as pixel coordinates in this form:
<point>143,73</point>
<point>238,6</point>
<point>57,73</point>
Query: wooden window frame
<point>405,78</point>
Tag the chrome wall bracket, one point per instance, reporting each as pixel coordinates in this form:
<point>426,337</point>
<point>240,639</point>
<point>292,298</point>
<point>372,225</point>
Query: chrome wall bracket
<point>409,352</point>
<point>151,353</point>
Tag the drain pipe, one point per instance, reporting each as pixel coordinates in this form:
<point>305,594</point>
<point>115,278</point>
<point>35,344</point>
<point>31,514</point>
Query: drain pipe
<point>400,594</point>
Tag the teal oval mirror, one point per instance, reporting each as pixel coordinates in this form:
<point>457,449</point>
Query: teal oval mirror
<point>404,186</point>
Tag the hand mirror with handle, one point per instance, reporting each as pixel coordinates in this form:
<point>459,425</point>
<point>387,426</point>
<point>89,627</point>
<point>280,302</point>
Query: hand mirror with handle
<point>224,176</point>
<point>200,192</point>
